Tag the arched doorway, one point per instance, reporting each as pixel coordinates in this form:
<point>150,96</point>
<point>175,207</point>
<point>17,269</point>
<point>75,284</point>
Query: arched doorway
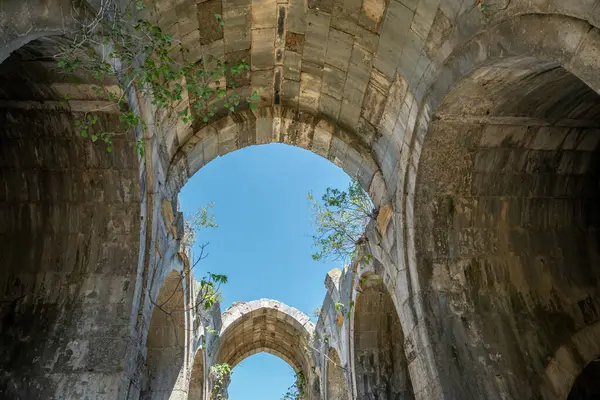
<point>380,365</point>
<point>506,206</point>
<point>197,378</point>
<point>165,371</point>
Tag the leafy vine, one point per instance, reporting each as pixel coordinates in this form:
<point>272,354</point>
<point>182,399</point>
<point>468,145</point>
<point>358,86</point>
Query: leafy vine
<point>116,43</point>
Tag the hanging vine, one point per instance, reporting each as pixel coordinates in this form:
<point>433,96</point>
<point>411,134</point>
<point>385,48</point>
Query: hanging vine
<point>116,43</point>
<point>221,375</point>
<point>296,391</point>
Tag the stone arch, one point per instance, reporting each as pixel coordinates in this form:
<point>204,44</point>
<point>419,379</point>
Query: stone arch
<point>380,365</point>
<point>197,378</point>
<point>278,125</point>
<point>277,329</point>
<point>337,387</point>
<point>569,361</point>
<point>165,371</point>
<point>69,242</point>
<point>505,230</point>
<point>266,326</point>
<point>587,386</point>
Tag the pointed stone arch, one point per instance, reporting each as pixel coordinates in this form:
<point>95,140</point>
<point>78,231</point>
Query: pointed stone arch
<point>569,361</point>
<point>197,377</point>
<point>504,228</point>
<point>266,326</point>
<point>380,364</point>
<point>166,344</point>
<point>278,125</point>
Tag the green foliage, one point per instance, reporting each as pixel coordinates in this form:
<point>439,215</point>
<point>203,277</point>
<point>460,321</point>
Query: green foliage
<point>222,373</point>
<point>316,313</point>
<point>484,7</point>
<point>211,330</point>
<point>341,218</point>
<point>342,310</point>
<point>116,43</point>
<point>222,370</point>
<point>210,286</point>
<point>296,391</point>
<point>203,218</point>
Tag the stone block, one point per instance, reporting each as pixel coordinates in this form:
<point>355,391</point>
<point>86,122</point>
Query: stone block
<point>339,49</point>
<point>262,49</point>
<point>315,43</point>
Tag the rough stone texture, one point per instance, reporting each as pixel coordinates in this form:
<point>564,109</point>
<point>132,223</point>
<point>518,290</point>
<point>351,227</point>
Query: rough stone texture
<point>337,389</point>
<point>476,134</point>
<point>380,367</point>
<point>166,343</point>
<point>264,325</point>
<point>197,378</point>
<point>69,227</point>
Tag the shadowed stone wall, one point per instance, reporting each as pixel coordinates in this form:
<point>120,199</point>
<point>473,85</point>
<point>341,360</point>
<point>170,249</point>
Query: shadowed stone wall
<point>69,236</point>
<point>166,343</point>
<point>337,389</point>
<point>380,366</point>
<point>507,209</point>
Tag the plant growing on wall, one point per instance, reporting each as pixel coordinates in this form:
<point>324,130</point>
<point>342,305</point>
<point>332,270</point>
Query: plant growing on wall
<point>201,219</point>
<point>320,344</point>
<point>489,7</point>
<point>296,391</point>
<point>340,219</point>
<point>221,375</point>
<point>210,284</point>
<point>116,42</point>
<point>316,313</point>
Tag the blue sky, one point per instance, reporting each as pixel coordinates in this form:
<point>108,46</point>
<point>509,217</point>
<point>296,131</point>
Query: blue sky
<point>263,240</point>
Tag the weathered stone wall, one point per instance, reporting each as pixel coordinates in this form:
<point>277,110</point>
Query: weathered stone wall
<point>332,331</point>
<point>380,366</point>
<point>337,387</point>
<point>167,342</point>
<point>69,215</point>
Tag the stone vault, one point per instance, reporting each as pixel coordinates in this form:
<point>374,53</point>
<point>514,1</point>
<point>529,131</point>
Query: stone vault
<point>474,126</point>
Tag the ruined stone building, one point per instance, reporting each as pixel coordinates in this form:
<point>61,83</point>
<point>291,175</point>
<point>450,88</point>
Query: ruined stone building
<point>474,126</point>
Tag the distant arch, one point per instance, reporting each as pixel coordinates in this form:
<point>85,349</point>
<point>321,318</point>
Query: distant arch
<point>569,361</point>
<point>264,325</point>
<point>197,376</point>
